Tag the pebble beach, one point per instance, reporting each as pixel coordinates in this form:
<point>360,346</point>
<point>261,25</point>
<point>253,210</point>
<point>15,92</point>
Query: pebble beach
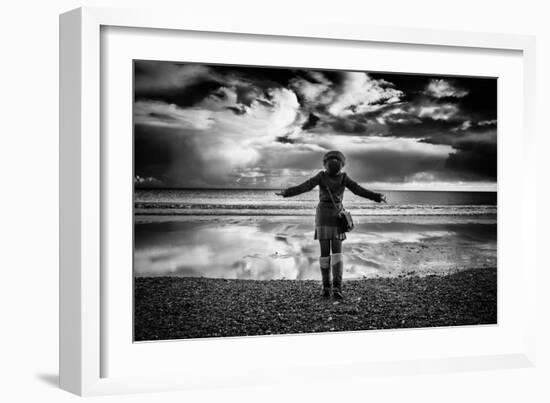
<point>184,308</point>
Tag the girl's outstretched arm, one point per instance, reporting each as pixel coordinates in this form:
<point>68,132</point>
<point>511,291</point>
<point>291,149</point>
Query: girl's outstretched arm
<point>301,188</point>
<point>361,191</point>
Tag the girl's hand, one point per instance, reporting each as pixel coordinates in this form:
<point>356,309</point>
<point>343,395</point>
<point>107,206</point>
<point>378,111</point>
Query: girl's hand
<point>383,199</point>
<point>280,193</point>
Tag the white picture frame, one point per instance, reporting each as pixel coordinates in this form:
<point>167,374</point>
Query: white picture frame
<point>84,343</point>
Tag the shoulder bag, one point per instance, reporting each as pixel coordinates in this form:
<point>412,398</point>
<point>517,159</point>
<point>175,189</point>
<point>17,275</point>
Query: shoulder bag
<point>344,216</point>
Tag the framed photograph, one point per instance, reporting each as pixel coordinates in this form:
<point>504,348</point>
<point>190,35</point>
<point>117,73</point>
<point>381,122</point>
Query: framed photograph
<point>242,202</point>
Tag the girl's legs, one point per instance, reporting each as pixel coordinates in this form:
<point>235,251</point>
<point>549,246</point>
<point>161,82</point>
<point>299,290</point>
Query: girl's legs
<point>336,245</point>
<point>324,262</point>
<point>337,263</point>
<point>325,247</point>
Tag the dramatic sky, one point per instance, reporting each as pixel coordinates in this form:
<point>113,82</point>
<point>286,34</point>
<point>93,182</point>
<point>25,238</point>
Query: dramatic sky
<point>227,126</point>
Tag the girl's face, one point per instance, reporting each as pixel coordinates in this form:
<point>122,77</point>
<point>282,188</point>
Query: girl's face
<point>333,166</point>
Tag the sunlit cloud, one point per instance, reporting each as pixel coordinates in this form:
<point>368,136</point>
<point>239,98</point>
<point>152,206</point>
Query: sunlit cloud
<point>440,88</point>
<point>219,126</point>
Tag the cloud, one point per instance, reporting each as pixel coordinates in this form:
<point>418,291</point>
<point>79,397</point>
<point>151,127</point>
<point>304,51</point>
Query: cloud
<point>478,127</point>
<point>491,122</point>
<point>438,112</point>
<point>343,102</point>
<point>217,141</point>
<point>157,77</point>
<point>440,88</point>
<point>321,93</point>
<point>173,83</point>
<point>463,126</point>
<point>474,155</point>
<point>225,126</point>
<point>154,113</point>
<point>147,182</point>
<point>397,166</point>
<point>478,162</point>
<point>374,158</point>
<point>360,94</point>
<point>398,115</point>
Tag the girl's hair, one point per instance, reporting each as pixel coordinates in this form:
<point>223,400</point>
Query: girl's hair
<point>334,154</point>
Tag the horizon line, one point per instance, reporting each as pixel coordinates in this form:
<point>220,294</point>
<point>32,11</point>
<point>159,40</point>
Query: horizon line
<point>269,188</point>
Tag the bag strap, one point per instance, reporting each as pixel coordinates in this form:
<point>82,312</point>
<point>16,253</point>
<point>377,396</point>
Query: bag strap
<point>331,198</point>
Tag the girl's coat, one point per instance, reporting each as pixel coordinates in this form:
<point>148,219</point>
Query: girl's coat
<point>326,217</point>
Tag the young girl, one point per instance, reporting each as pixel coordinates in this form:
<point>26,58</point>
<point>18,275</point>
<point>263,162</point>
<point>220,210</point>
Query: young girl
<point>327,229</point>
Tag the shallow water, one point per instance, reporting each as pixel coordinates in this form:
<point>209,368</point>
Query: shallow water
<point>263,248</point>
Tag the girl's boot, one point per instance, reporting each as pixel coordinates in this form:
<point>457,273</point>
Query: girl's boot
<point>324,262</point>
<point>337,263</point>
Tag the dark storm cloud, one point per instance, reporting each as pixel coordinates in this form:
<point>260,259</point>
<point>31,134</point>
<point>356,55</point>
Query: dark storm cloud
<point>186,84</point>
<point>285,140</point>
<point>348,126</point>
<point>158,151</point>
<point>311,122</point>
<point>394,166</point>
<point>478,160</point>
<point>479,102</point>
<point>475,155</point>
<point>199,125</point>
<point>161,116</point>
<point>236,109</point>
<point>183,97</point>
<point>174,158</point>
<point>460,112</point>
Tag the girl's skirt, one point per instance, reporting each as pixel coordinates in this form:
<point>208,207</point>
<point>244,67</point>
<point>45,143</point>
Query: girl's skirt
<point>326,222</point>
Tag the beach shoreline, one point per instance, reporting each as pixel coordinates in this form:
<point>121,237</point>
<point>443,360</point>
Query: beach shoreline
<point>194,307</point>
<point>265,248</point>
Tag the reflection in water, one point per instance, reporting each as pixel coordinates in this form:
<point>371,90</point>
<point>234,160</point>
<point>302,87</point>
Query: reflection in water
<point>263,249</point>
<point>235,251</point>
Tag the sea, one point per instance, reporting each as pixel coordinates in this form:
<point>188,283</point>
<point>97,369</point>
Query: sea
<point>250,202</point>
<point>254,234</point>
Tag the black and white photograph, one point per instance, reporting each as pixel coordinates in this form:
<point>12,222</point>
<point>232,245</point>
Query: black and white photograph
<point>289,200</point>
